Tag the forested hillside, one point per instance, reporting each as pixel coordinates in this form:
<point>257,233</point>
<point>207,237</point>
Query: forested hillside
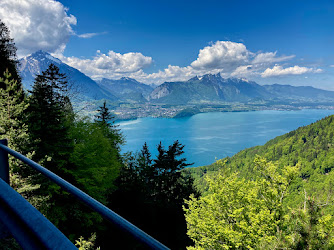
<point>275,196</point>
<point>311,147</point>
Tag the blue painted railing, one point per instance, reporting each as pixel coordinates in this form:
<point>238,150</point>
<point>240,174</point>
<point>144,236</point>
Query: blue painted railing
<point>31,229</point>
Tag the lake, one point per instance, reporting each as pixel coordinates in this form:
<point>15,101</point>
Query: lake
<point>210,136</point>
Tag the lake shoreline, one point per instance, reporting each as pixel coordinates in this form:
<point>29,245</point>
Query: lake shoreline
<point>226,111</point>
<point>212,135</point>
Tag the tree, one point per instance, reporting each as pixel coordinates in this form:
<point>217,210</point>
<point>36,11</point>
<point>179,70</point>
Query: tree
<point>105,120</point>
<point>12,128</point>
<point>8,59</point>
<point>12,108</point>
<point>170,184</point>
<point>104,117</point>
<point>240,213</point>
<point>156,188</point>
<point>49,119</point>
<point>95,160</point>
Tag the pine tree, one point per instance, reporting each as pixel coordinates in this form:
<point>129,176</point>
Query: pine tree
<point>105,120</point>
<point>12,128</point>
<point>171,184</point>
<point>8,59</point>
<point>157,189</point>
<point>49,119</point>
<point>104,117</point>
<point>11,111</point>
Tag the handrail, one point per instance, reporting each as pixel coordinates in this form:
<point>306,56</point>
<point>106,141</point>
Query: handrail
<point>29,227</point>
<point>91,202</point>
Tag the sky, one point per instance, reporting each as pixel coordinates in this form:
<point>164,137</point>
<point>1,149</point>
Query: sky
<point>285,42</point>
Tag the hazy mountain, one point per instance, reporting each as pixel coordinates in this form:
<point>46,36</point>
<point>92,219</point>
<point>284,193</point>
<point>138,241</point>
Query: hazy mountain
<point>126,89</point>
<point>213,88</point>
<point>304,92</point>
<point>209,88</point>
<point>39,61</point>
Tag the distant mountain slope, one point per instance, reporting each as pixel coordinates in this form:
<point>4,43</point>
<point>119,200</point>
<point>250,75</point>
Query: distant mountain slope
<point>39,61</point>
<point>208,88</point>
<point>288,91</point>
<point>214,88</point>
<point>311,147</point>
<point>126,89</point>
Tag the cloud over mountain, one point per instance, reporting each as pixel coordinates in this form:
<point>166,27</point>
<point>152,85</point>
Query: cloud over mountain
<point>104,65</point>
<point>278,70</point>
<point>224,55</point>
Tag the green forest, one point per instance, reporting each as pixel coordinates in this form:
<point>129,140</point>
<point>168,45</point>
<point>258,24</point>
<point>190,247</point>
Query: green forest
<point>276,196</point>
<point>304,159</point>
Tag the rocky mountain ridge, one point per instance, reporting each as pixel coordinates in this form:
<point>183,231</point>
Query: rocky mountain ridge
<point>209,88</point>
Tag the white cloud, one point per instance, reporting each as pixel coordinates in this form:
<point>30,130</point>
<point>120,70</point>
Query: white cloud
<point>278,70</point>
<point>37,24</point>
<point>332,66</point>
<point>229,58</point>
<point>90,35</point>
<point>171,74</point>
<point>222,55</point>
<point>110,65</point>
<point>270,57</point>
<point>244,71</point>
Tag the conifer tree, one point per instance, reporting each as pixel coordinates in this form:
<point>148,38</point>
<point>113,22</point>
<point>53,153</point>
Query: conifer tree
<point>8,59</point>
<point>11,111</point>
<point>104,117</point>
<point>157,189</point>
<point>12,128</point>
<point>105,120</point>
<point>49,119</point>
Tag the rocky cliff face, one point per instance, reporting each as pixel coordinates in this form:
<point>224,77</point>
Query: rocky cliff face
<point>159,92</point>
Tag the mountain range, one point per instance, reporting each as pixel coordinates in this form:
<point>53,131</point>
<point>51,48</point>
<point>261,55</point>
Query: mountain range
<point>211,88</point>
<point>200,89</point>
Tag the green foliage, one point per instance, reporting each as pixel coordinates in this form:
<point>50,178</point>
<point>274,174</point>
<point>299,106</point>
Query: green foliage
<point>49,119</point>
<point>105,120</point>
<point>307,227</point>
<point>12,108</point>
<point>83,244</point>
<point>8,59</point>
<point>151,193</point>
<point>95,160</point>
<point>249,214</point>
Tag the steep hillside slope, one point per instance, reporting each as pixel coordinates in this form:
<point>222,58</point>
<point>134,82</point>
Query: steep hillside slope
<point>311,147</point>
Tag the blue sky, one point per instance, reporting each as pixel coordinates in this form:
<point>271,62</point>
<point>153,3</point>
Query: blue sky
<point>286,42</point>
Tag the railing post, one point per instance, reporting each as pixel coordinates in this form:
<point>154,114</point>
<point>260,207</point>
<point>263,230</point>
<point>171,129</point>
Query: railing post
<point>4,166</point>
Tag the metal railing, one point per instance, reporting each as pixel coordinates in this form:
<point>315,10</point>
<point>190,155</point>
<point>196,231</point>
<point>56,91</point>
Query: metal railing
<point>21,220</point>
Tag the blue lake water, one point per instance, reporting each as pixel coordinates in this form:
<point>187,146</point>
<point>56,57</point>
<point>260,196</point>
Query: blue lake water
<point>208,136</point>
